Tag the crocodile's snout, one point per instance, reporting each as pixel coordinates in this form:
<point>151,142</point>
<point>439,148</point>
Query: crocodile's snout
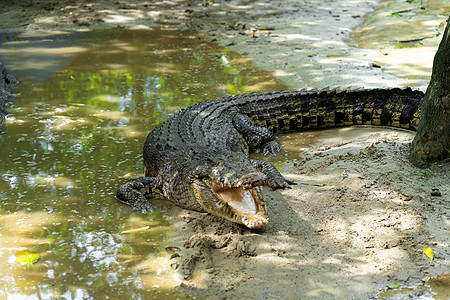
<point>255,221</point>
<point>241,203</point>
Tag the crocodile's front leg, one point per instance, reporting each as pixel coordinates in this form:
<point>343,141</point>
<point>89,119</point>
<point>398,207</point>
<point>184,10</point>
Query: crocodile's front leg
<point>275,179</point>
<point>136,191</point>
<point>258,138</point>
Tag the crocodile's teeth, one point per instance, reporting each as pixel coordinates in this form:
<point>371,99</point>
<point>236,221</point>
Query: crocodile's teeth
<point>246,204</point>
<point>257,221</point>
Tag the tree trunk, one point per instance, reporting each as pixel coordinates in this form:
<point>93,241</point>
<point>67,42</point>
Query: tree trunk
<point>432,140</point>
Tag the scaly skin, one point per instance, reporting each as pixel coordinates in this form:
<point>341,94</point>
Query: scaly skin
<point>198,158</point>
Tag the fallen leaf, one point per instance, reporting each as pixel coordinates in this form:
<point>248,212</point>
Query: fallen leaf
<point>127,175</point>
<point>426,279</point>
<point>136,229</point>
<point>428,252</point>
<point>394,286</point>
<point>27,258</point>
<point>171,250</point>
<point>314,183</point>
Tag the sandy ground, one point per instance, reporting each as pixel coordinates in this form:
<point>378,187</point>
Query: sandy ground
<point>361,213</point>
<point>355,223</point>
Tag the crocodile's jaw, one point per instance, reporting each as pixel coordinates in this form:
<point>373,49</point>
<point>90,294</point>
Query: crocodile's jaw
<point>237,204</point>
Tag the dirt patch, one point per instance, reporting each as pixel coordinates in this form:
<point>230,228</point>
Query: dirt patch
<point>360,215</point>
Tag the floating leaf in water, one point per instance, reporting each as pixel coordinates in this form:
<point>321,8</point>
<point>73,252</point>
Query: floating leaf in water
<point>27,258</point>
<point>174,255</point>
<point>394,286</point>
<point>128,175</point>
<point>136,229</point>
<point>428,252</point>
<point>171,250</point>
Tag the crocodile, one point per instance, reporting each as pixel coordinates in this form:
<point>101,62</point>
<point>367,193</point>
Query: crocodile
<point>199,158</point>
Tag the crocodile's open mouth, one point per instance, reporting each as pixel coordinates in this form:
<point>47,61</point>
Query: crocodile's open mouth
<point>242,204</point>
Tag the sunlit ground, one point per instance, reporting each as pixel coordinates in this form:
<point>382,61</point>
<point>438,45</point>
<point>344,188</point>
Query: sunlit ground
<point>406,35</point>
<point>74,134</point>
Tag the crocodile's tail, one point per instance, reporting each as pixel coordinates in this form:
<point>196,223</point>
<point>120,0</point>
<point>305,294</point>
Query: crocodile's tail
<point>295,110</point>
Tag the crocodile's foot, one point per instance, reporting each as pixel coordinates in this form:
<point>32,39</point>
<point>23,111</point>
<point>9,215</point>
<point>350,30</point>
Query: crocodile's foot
<point>275,179</point>
<point>134,193</point>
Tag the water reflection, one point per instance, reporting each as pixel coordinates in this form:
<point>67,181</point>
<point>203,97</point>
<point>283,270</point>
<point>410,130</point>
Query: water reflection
<point>73,137</point>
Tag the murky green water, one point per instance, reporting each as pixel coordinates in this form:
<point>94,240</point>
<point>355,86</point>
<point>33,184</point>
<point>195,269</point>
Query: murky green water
<point>436,288</point>
<point>75,133</point>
